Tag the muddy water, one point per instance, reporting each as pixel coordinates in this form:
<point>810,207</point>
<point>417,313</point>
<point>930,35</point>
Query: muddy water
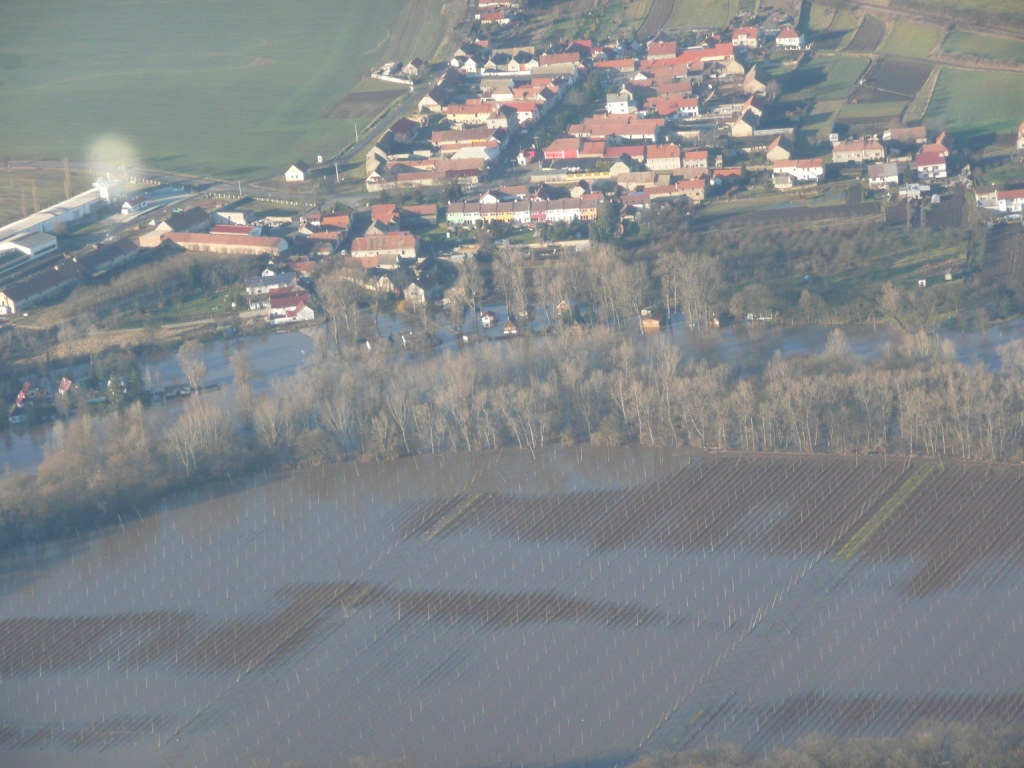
<point>501,609</point>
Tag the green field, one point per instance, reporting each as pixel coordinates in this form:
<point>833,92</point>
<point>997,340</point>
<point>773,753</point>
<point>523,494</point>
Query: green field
<point>701,14</point>
<point>984,46</point>
<point>873,109</point>
<point>823,78</point>
<point>994,12</point>
<point>975,103</point>
<point>228,88</point>
<point>910,39</point>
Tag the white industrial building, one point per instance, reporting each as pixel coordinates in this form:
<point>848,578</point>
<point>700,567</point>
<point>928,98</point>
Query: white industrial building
<point>32,244</point>
<point>49,219</point>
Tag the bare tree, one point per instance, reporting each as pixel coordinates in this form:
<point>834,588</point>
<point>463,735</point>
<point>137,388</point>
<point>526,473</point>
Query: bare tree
<point>192,365</point>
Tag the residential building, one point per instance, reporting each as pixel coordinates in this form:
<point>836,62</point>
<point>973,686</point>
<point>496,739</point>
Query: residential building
<point>789,39</point>
<point>562,149</point>
<point>300,312</point>
<point>1010,201</point>
<point>858,151</point>
<point>385,251</point>
<point>620,103</point>
<point>744,126</point>
<point>265,284</point>
<point>811,169</point>
<point>664,157</point>
<point>661,50</point>
<point>882,175</point>
<point>930,165</point>
<point>297,172</point>
<point>745,37</point>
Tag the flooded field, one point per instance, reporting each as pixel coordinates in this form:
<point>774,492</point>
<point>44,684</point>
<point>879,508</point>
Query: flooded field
<point>573,606</point>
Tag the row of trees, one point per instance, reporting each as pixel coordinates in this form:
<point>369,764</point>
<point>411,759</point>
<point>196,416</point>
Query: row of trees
<point>592,385</point>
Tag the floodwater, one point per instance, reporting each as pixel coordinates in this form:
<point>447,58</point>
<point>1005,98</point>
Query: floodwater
<point>280,354</point>
<point>483,610</point>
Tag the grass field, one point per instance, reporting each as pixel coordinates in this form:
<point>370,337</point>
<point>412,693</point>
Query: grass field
<point>230,88</point>
<point>873,109</point>
<point>984,46</point>
<point>823,79</point>
<point>994,12</point>
<point>910,39</point>
<point>841,28</point>
<point>701,14</point>
<point>976,103</point>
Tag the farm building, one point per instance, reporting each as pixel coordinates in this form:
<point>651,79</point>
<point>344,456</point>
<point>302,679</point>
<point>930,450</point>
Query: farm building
<point>236,229</point>
<point>48,283</point>
<point>881,175</point>
<point>858,151</point>
<point>234,245</point>
<point>106,257</point>
<point>780,149</point>
<point>192,220</point>
<point>904,135</point>
<point>789,39</point>
<point>239,218</point>
<point>930,165</point>
<point>298,172</point>
<point>48,219</point>
<point>385,250</point>
<point>753,83</point>
<point>32,244</point>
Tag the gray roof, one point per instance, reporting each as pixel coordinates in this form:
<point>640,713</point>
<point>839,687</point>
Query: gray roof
<point>193,217</point>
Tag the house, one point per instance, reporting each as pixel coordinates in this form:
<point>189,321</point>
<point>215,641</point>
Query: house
<point>384,217</point>
<point>942,145</point>
<point>256,286</point>
<point>511,327</point>
<point>857,151</point>
<point>664,157</point>
<point>780,149</point>
<point>415,68</point>
<point>386,250</point>
<point>661,50</point>
<point>136,204</point>
<point>744,126</point>
<point>620,103</point>
<point>753,83</point>
<point>810,169</point>
<point>651,320</point>
<point>44,285</point>
<point>695,158</point>
<point>193,220</point>
<point>930,165</point>
<point>297,172</point>
<point>562,149</point>
<point>1010,201</point>
<point>488,319</point>
<point>296,313</point>
<point>882,175</point>
<point>745,37</point>
<point>422,291</point>
<point>789,39</point>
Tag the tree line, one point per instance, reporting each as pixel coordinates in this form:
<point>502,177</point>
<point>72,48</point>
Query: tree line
<point>586,385</point>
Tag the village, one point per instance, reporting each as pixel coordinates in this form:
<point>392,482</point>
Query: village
<point>544,149</point>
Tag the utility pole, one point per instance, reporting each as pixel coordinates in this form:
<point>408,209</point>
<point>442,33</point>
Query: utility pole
<point>337,177</point>
<point>239,187</point>
<point>357,133</point>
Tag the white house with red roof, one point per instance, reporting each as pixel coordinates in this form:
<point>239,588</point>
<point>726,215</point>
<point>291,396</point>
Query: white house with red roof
<point>1010,201</point>
<point>930,165</point>
<point>745,37</point>
<point>789,39</point>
